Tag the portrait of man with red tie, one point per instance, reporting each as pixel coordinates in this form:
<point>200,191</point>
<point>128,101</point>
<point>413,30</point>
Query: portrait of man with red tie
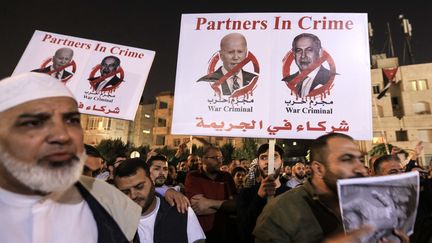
<point>61,60</point>
<point>230,76</point>
<point>312,78</point>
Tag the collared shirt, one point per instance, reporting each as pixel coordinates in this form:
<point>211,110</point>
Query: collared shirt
<point>57,75</point>
<point>221,188</point>
<point>230,80</point>
<point>102,84</point>
<point>57,217</point>
<point>307,82</point>
<point>294,182</point>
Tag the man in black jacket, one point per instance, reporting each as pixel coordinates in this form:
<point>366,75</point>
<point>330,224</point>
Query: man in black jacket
<point>251,201</point>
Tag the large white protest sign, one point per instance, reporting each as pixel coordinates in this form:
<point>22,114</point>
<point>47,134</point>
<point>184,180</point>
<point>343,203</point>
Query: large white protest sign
<point>267,89</point>
<point>384,202</point>
<point>106,79</point>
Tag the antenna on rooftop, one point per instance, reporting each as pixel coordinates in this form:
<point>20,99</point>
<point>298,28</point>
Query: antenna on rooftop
<point>407,30</point>
<point>388,44</point>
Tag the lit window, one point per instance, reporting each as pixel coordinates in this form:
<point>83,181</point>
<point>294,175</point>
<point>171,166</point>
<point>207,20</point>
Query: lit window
<point>147,116</point>
<point>418,85</point>
<point>422,84</point>
<point>378,137</point>
<point>146,131</point>
<point>413,85</point>
<point>98,123</point>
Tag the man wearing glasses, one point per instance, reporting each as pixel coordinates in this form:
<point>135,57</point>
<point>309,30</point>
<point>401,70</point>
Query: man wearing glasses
<point>212,192</point>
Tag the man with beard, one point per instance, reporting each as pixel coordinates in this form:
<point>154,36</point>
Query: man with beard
<point>158,174</point>
<point>298,175</point>
<point>387,165</point>
<point>159,221</point>
<point>212,195</point>
<point>307,51</point>
<point>158,169</point>
<point>108,79</point>
<point>42,196</point>
<point>251,201</point>
<point>311,213</point>
<point>94,164</point>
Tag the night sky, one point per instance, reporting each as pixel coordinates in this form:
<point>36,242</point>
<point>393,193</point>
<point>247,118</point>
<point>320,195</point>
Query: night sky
<point>156,27</point>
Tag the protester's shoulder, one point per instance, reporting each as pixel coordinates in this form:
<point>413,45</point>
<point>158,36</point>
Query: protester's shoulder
<point>292,196</point>
<point>282,189</point>
<point>123,210</point>
<point>286,210</point>
<point>172,210</point>
<point>193,173</point>
<point>224,174</point>
<point>104,192</point>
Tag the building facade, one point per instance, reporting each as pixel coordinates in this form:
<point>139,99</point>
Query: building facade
<point>136,133</point>
<point>162,129</point>
<point>403,116</point>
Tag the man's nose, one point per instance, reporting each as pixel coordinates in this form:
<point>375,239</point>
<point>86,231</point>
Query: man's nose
<point>236,55</point>
<point>59,133</point>
<point>303,54</point>
<point>360,169</point>
<point>133,194</point>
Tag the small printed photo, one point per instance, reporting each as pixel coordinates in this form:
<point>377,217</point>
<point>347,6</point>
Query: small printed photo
<point>57,66</point>
<point>230,79</point>
<point>108,69</point>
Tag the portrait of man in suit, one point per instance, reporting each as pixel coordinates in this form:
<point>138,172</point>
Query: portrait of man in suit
<point>307,50</point>
<point>233,50</point>
<point>108,78</point>
<point>61,58</point>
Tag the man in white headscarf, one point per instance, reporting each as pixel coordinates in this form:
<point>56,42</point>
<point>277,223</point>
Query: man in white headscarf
<point>43,197</point>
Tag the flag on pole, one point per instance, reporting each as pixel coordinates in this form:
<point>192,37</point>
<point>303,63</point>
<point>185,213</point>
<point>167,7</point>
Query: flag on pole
<point>389,79</point>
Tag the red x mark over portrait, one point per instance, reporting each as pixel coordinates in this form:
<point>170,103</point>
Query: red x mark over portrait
<point>59,69</point>
<point>323,90</point>
<point>239,92</point>
<point>95,81</point>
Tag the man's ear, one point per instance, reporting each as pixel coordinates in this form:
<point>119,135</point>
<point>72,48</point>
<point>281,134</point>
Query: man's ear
<point>318,169</point>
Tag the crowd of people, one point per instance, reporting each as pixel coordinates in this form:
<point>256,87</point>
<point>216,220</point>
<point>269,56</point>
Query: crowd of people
<point>55,188</point>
